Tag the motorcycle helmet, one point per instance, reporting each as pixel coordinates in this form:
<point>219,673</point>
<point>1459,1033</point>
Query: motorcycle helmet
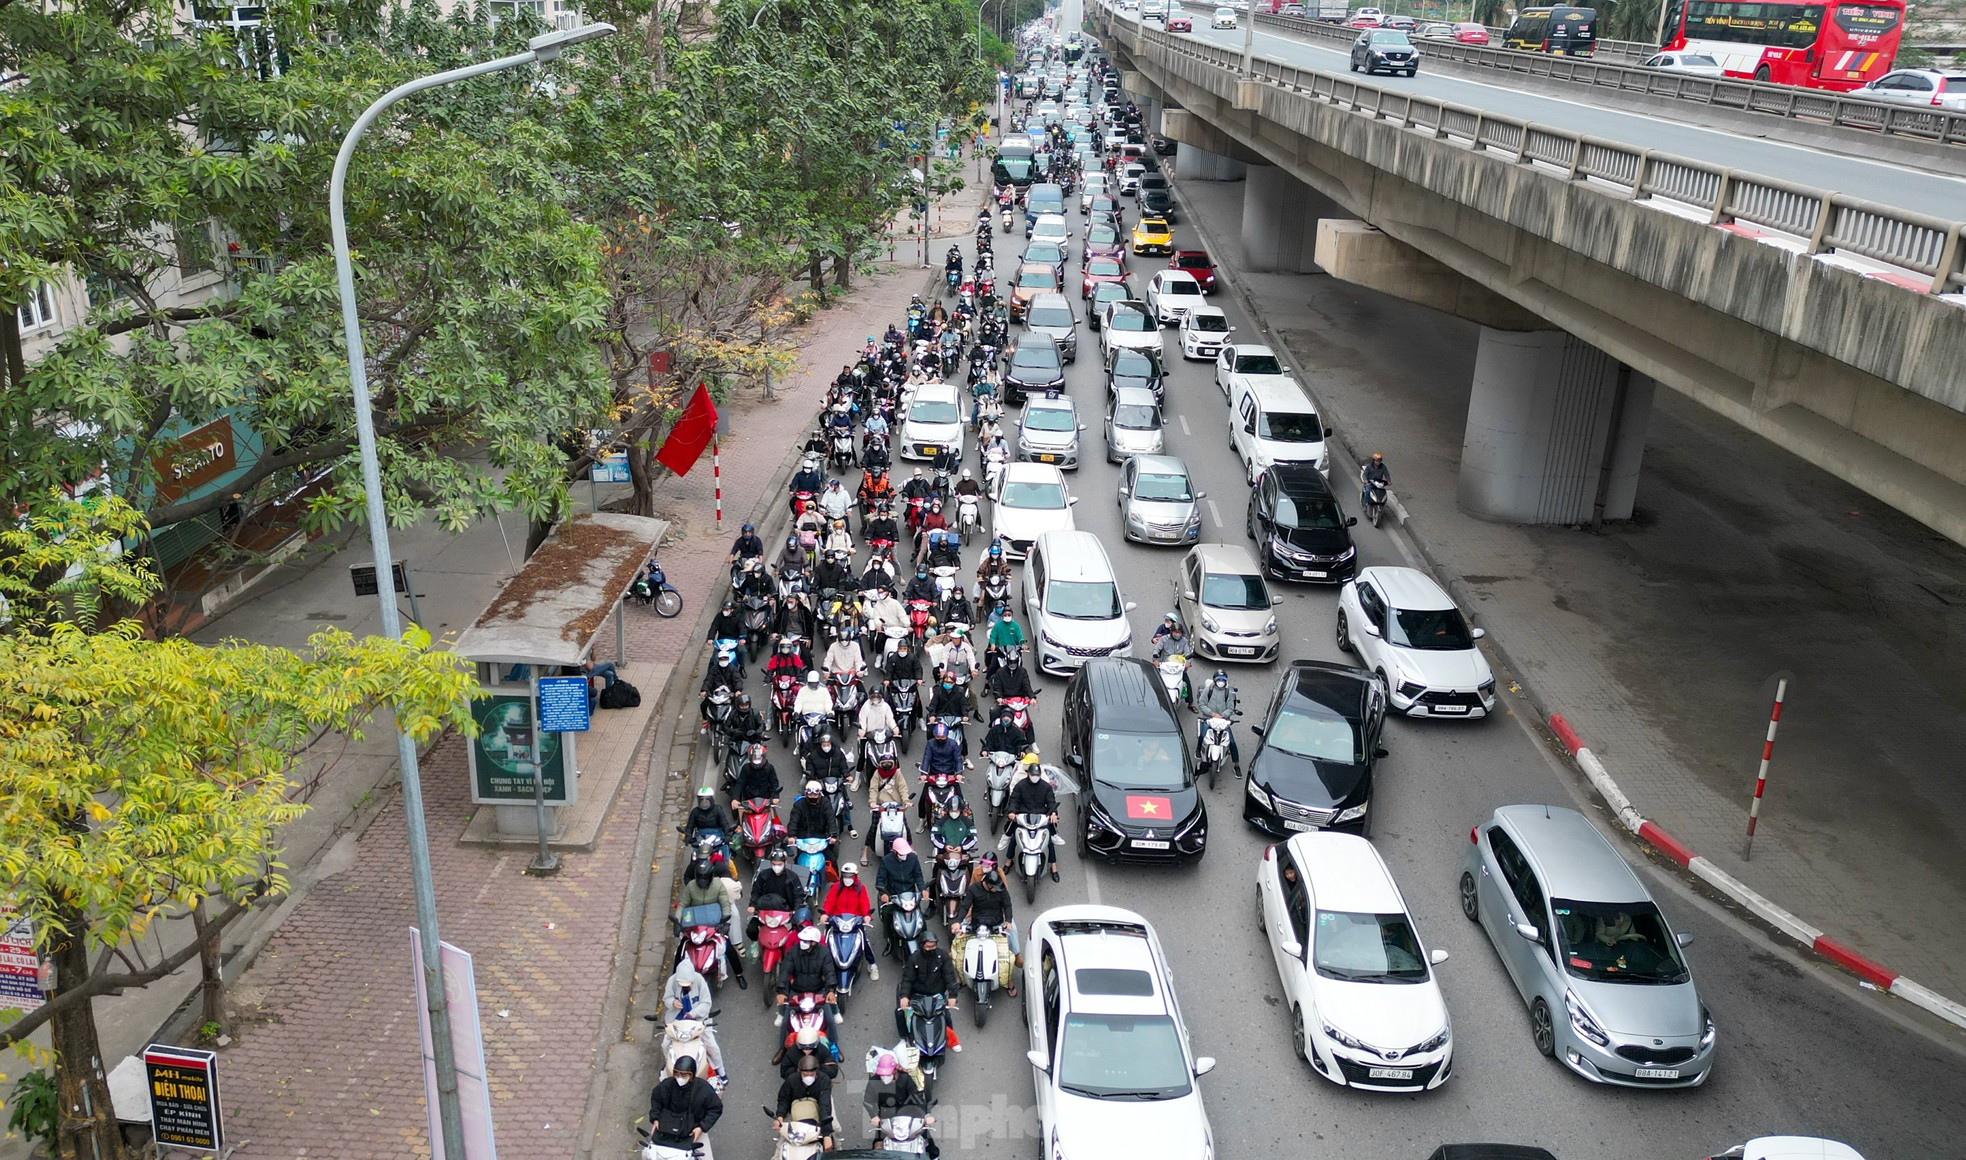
<point>748,529</point>
<point>996,551</point>
<point>758,752</point>
<point>704,792</point>
<point>902,848</point>
<point>849,870</point>
<point>809,936</point>
<point>812,678</point>
<point>702,873</point>
<point>1030,761</point>
<point>684,1067</point>
<point>941,731</point>
<point>813,787</point>
<point>778,857</point>
<point>992,879</point>
<point>965,473</point>
<point>1221,676</point>
<point>921,573</point>
<point>886,1066</point>
<point>929,941</point>
<point>744,700</point>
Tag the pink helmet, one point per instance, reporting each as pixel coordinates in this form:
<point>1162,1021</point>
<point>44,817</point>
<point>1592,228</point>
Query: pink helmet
<point>902,847</point>
<point>886,1067</point>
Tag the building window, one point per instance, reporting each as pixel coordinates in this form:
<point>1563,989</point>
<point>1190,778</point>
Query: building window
<point>195,252</point>
<point>38,311</point>
<point>507,9</point>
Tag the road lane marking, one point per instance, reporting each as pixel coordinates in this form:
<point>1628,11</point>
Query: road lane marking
<point>1213,512</point>
<point>1184,425</point>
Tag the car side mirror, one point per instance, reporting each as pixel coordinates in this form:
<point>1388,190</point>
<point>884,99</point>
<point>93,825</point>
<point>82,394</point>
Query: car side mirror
<point>1381,751</point>
<point>1187,594</point>
<point>1479,633</point>
<point>1204,1065</point>
<point>1351,521</point>
<point>1038,1060</point>
<point>1528,931</point>
<point>1124,490</point>
<point>1437,956</point>
<point>1131,605</point>
<point>1256,729</point>
<point>1275,600</point>
<point>1070,500</point>
<point>1683,938</point>
<point>1371,629</point>
<point>1201,495</point>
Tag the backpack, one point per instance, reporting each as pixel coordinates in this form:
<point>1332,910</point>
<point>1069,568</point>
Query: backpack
<point>620,695</point>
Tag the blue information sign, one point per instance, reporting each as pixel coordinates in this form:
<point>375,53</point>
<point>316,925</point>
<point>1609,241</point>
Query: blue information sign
<point>563,704</point>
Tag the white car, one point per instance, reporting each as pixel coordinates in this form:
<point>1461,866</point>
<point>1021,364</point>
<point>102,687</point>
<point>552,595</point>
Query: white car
<point>1128,323</point>
<point>1095,184</point>
<point>1031,500</point>
<point>1110,1056</point>
<point>1049,431</point>
<point>1051,227</point>
<point>1203,331</point>
<point>1224,18</point>
<point>1130,175</point>
<point>1935,87</point>
<point>1403,627</point>
<point>1365,1010</point>
<point>1697,64</point>
<point>934,420</point>
<point>1171,294</point>
<point>1790,1148</point>
<point>1246,365</point>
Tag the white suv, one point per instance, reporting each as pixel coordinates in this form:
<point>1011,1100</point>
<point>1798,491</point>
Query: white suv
<point>1405,628</point>
<point>1110,1057</point>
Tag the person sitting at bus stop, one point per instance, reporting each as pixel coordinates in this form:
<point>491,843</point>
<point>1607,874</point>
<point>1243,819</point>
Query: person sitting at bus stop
<point>605,672</point>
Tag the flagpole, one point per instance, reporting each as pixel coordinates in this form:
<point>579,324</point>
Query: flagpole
<point>717,478</point>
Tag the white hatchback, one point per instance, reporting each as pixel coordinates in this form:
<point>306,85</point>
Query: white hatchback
<point>934,420</point>
<point>1203,331</point>
<point>1405,628</point>
<point>1365,1009</point>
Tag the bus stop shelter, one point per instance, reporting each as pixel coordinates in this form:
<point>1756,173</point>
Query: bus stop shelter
<point>546,622</point>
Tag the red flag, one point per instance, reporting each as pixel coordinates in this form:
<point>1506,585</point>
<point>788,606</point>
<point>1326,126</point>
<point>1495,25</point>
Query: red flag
<point>1141,808</point>
<point>691,434</point>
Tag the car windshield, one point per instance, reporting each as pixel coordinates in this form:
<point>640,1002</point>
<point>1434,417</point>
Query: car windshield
<point>1084,600</point>
<point>1193,262</point>
<point>1430,629</point>
<point>1290,427</point>
<point>933,411</point>
<point>1108,292</point>
<point>1042,279</point>
<point>1122,1057</point>
<point>1258,364</point>
<point>1180,286</point>
<point>1041,496</point>
<point>1104,268</point>
<point>1624,942</point>
<point>1051,316</point>
<point>1209,323</point>
<point>1035,358</point>
<point>1153,226</point>
<point>1231,590</point>
<point>1050,253</point>
<point>1132,364</point>
<point>1136,416</point>
<point>1140,760</point>
<point>1392,38</point>
<point>1698,61</point>
<point>1049,230</point>
<point>1317,512</point>
<point>1049,419</point>
<point>1320,736</point>
<point>1162,486</point>
<point>1367,948</point>
<point>1102,236</point>
<point>1131,319</point>
<point>1017,168</point>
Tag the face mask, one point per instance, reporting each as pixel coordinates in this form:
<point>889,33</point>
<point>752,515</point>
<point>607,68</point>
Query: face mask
<point>808,1080</point>
<point>682,1081</point>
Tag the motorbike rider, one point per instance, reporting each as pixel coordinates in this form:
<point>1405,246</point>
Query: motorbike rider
<point>795,618</point>
<point>707,814</point>
<point>949,701</point>
<point>900,872</point>
<point>876,457</point>
<point>933,521</point>
<point>927,972</point>
<point>952,263</point>
<point>943,549</point>
<point>728,624</point>
<point>815,447</point>
<point>835,501</point>
<point>874,490</point>
<point>918,486</point>
<point>905,662</point>
<point>1011,678</point>
<point>1173,642</point>
<point>814,697</point>
<point>894,1092</point>
<point>835,572</point>
<point>1375,471</point>
<point>954,608</point>
<point>812,815</point>
<point>774,887</point>
<point>837,539</point>
<point>683,1109</point>
<point>785,657</point>
<point>747,546</point>
<point>881,525</point>
<point>811,477</point>
<point>876,714</point>
<point>849,896</point>
<point>808,969</point>
<point>1032,794</point>
<point>922,587</point>
<point>959,664</point>
<point>987,903</point>
<point>1218,696</point>
<point>807,1083</point>
<point>724,670</point>
<point>1006,636</point>
<point>967,485</point>
<point>702,888</point>
<point>756,778</point>
<point>844,654</point>
<point>1005,736</point>
<point>882,611</point>
<point>791,558</point>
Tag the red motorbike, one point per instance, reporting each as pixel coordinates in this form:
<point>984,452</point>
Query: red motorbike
<point>774,935</point>
<point>1020,713</point>
<point>704,944</point>
<point>918,611</point>
<point>759,829</point>
<point>784,691</point>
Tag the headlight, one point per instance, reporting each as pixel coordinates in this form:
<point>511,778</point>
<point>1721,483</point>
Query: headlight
<point>1345,555</point>
<point>1353,814</point>
<point>1338,1036</point>
<point>1411,690</point>
<point>1706,1037</point>
<point>1208,624</point>
<point>1047,638</point>
<point>1583,1022</point>
<point>1270,627</point>
<point>1487,687</point>
<point>1099,818</point>
<point>1261,798</point>
<point>1435,1044</point>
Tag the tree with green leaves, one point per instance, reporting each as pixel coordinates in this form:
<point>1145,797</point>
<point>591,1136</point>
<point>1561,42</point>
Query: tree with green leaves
<point>147,779</point>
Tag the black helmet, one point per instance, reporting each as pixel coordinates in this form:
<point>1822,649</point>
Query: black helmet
<point>992,879</point>
<point>684,1065</point>
<point>702,873</point>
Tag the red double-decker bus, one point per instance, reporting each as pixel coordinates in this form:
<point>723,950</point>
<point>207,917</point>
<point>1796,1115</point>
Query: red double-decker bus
<point>1791,42</point>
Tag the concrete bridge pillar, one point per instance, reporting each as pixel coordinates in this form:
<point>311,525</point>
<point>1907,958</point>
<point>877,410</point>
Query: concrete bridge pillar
<point>1197,164</point>
<point>1556,429</point>
<point>1279,221</point>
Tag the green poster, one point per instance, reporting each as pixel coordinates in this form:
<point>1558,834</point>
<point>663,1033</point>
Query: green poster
<point>501,754</point>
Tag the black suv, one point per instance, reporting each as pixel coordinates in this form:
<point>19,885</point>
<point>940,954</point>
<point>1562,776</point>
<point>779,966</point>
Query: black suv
<point>1121,732</point>
<point>1131,367</point>
<point>1300,531</point>
<point>1032,367</point>
<point>1320,744</point>
<point>1156,199</point>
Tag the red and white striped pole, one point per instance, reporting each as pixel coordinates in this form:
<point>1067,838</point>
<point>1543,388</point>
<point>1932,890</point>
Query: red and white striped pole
<point>717,477</point>
<point>1761,778</point>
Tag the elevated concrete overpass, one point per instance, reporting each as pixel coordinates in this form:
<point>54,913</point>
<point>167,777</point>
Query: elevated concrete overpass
<point>1831,324</point>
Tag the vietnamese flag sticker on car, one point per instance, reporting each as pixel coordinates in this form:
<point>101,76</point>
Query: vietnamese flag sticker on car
<point>1143,808</point>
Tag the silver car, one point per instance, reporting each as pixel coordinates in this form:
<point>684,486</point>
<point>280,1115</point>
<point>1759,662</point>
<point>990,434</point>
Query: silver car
<point>1050,431</point>
<point>1133,424</point>
<point>1158,501</point>
<point>1051,315</point>
<point>1224,600</point>
<point>1609,994</point>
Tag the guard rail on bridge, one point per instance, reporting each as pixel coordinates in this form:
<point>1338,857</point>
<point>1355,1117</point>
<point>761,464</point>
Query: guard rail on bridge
<point>1922,123</point>
<point>1828,222</point>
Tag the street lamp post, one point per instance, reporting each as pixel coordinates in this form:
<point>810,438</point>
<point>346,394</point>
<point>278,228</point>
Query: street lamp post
<point>1249,39</point>
<point>542,48</point>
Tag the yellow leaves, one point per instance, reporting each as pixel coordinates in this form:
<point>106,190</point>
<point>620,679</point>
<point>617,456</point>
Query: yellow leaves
<point>98,812</point>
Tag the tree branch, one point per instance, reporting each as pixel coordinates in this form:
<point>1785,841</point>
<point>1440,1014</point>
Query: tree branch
<point>180,314</point>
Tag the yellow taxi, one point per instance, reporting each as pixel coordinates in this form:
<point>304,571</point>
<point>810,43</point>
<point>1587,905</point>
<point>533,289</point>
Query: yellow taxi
<point>1153,236</point>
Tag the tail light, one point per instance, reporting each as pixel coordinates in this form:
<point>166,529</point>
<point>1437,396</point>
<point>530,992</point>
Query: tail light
<point>1474,835</point>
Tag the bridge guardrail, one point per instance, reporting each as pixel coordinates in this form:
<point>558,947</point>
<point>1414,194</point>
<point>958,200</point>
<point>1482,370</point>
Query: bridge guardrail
<point>1828,221</point>
<point>1925,124</point>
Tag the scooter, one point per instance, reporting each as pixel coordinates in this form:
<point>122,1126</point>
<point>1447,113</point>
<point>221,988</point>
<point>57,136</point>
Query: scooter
<point>656,1147</point>
<point>1020,713</point>
<point>903,1132</point>
<point>906,922</point>
<point>784,693</point>
<point>774,935</point>
<point>994,594</point>
<point>1031,834</point>
<point>928,1028</point>
<point>759,830</point>
<point>875,748</point>
<point>890,822</point>
<point>691,1038</point>
<point>844,453</point>
<point>801,1136</point>
<point>839,800</point>
<point>982,958</point>
<point>805,1011</point>
<point>848,693</point>
<point>703,942</point>
<point>652,589</point>
<point>951,881</point>
<point>905,698</point>
<point>1214,746</point>
<point>942,793</point>
<point>809,860</point>
<point>1006,220</point>
<point>969,517</point>
<point>846,942</point>
<point>1003,768</point>
<point>1174,676</point>
<point>757,625</point>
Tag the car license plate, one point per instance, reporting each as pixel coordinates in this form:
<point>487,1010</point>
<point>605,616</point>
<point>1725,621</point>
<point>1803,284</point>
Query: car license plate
<point>1047,459</point>
<point>1144,844</point>
<point>930,449</point>
<point>1389,1073</point>
<point>1313,575</point>
<point>1450,708</point>
<point>1300,827</point>
<point>1658,1073</point>
<point>1240,651</point>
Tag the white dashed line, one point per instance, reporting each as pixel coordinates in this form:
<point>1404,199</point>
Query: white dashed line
<point>1213,512</point>
<point>1184,426</point>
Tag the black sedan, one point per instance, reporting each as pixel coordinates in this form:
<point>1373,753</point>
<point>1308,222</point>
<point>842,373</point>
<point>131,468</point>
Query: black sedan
<point>1320,742</point>
<point>1385,48</point>
<point>1300,532</point>
<point>1132,367</point>
<point>1032,367</point>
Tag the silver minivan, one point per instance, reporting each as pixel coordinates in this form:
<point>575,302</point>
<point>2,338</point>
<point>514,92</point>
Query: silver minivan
<point>1609,993</point>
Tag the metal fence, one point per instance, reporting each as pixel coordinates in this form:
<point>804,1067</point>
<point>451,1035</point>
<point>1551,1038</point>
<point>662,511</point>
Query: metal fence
<point>1916,121</point>
<point>1827,221</point>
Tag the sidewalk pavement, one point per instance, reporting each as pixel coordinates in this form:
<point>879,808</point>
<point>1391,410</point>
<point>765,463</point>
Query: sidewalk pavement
<point>324,1060</point>
<point>1660,640</point>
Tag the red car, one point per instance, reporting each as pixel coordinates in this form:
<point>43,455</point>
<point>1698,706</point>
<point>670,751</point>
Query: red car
<point>1180,24</point>
<point>1195,262</point>
<point>1467,33</point>
<point>1099,270</point>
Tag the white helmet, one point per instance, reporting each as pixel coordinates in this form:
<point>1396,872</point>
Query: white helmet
<point>965,473</point>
